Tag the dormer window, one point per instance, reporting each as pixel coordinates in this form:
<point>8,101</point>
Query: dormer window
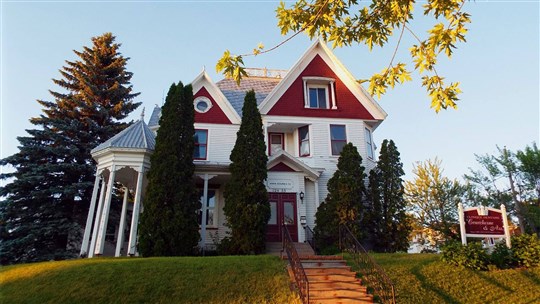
<point>202,104</point>
<point>319,93</point>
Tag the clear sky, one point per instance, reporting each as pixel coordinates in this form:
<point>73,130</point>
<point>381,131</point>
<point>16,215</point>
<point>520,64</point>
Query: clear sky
<point>168,41</point>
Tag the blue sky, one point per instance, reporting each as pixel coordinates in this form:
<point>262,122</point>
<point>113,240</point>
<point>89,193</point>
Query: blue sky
<point>168,41</point>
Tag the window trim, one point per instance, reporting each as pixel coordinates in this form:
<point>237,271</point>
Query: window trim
<point>369,143</point>
<point>320,82</point>
<point>270,141</point>
<point>331,140</point>
<point>199,99</point>
<point>300,142</point>
<point>198,145</point>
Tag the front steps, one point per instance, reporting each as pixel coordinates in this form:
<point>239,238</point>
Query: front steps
<point>332,281</point>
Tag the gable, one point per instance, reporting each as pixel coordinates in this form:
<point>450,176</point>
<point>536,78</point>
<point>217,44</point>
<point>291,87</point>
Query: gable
<point>281,167</point>
<point>291,103</point>
<point>215,114</point>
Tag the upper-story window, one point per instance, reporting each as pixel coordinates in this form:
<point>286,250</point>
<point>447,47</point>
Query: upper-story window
<point>201,144</point>
<point>303,141</point>
<point>338,138</point>
<point>369,143</point>
<point>276,143</point>
<point>202,104</point>
<point>319,93</point>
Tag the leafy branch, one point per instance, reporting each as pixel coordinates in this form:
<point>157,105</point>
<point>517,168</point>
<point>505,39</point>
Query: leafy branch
<point>373,25</point>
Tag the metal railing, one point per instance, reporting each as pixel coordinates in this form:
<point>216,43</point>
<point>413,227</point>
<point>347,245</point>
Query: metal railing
<point>373,276</point>
<point>300,277</point>
<point>309,237</point>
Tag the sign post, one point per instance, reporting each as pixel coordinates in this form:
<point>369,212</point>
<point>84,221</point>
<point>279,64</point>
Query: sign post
<point>483,222</point>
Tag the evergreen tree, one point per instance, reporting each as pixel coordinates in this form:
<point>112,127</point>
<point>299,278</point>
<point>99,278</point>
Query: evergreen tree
<point>169,224</point>
<point>48,199</point>
<point>344,203</point>
<point>247,208</point>
<point>388,223</point>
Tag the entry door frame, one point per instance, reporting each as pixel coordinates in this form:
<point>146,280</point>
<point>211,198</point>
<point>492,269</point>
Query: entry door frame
<point>281,199</point>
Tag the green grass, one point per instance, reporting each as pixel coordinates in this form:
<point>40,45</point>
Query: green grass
<point>424,278</point>
<point>230,279</point>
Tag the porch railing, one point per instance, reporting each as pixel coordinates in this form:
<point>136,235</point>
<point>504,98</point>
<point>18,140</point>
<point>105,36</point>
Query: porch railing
<point>372,274</point>
<point>300,277</point>
<point>309,237</point>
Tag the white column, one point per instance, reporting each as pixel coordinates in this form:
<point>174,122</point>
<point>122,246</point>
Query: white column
<point>506,227</point>
<point>120,239</point>
<point>90,217</point>
<point>462,224</point>
<point>98,217</point>
<point>317,202</point>
<point>203,211</point>
<point>333,95</point>
<point>100,242</point>
<point>132,244</point>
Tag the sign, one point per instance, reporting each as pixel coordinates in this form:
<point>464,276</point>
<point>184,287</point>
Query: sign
<point>280,185</point>
<point>492,223</point>
<point>483,222</point>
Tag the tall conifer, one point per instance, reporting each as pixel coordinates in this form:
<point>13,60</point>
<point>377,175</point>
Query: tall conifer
<point>344,202</point>
<point>246,199</point>
<point>388,223</point>
<point>49,197</point>
<point>169,224</point>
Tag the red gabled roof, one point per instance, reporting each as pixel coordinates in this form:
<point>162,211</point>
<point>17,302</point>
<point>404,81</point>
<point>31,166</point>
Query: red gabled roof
<point>291,103</point>
<point>214,115</point>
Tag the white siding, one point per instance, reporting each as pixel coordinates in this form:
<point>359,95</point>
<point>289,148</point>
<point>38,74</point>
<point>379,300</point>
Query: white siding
<point>221,140</point>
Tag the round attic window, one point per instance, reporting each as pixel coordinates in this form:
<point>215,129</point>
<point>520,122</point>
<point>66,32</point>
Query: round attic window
<point>202,104</point>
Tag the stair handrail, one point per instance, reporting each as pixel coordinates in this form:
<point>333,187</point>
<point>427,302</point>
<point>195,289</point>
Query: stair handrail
<point>300,277</point>
<point>372,274</point>
<point>309,238</point>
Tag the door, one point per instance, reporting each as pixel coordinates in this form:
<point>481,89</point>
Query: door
<point>282,211</point>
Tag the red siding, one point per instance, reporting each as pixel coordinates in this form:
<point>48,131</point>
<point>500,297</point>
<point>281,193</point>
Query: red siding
<point>214,115</point>
<point>281,167</point>
<point>292,101</point>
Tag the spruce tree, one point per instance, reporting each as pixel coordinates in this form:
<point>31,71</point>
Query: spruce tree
<point>344,202</point>
<point>48,199</point>
<point>168,225</point>
<point>247,208</point>
<point>389,225</point>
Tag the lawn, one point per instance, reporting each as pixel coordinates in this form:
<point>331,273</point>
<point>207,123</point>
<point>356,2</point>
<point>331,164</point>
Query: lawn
<point>229,279</point>
<point>423,278</point>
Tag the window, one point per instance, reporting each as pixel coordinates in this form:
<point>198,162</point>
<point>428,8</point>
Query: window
<point>276,143</point>
<point>338,138</point>
<point>319,93</point>
<point>303,141</point>
<point>202,104</point>
<point>317,97</point>
<point>369,143</point>
<point>210,208</point>
<point>201,143</point>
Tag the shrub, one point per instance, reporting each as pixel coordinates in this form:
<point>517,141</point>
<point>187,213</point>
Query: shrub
<point>526,249</point>
<point>502,256</point>
<point>471,256</point>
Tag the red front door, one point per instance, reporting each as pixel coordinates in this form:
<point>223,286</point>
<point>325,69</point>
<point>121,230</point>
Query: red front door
<point>283,210</point>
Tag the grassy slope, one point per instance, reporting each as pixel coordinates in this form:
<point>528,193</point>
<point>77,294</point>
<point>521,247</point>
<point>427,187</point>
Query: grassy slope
<point>231,279</point>
<point>423,278</point>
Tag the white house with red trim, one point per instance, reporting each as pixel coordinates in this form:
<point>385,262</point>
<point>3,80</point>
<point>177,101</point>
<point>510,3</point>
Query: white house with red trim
<point>309,113</point>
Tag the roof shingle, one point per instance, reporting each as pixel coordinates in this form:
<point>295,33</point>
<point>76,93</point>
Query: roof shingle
<point>136,136</point>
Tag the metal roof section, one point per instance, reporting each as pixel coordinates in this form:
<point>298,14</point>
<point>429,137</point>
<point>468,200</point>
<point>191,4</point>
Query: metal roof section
<point>235,94</point>
<point>154,118</point>
<point>136,136</point>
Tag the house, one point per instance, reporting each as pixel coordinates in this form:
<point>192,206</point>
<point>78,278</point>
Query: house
<point>309,113</point>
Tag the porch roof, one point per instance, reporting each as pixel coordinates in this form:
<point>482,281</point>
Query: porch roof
<point>293,162</point>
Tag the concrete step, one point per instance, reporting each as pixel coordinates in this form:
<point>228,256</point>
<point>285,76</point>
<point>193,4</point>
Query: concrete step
<point>328,271</point>
<point>338,293</point>
<point>324,264</point>
<point>349,277</point>
<point>335,286</point>
<point>340,300</point>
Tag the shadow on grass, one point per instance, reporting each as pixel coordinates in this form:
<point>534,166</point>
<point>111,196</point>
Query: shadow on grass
<point>426,284</point>
<point>493,281</point>
<point>531,276</point>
